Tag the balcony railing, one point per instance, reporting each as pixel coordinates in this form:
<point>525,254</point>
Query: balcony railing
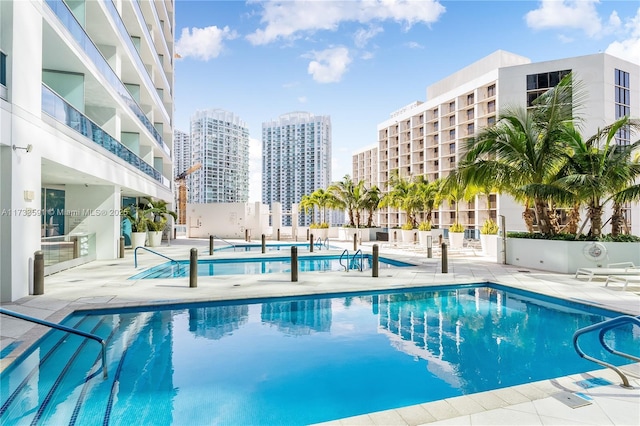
<point>69,21</point>
<point>134,52</point>
<point>59,109</point>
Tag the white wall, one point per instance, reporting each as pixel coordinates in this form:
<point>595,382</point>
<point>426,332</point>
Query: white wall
<point>226,220</point>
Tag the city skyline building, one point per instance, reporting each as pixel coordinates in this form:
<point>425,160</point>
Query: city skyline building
<point>425,138</point>
<point>219,142</point>
<point>296,161</point>
<point>86,112</point>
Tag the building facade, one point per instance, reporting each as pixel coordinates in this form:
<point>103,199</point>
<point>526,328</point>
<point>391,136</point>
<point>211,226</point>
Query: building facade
<point>86,106</point>
<point>296,160</point>
<point>220,144</point>
<point>424,138</point>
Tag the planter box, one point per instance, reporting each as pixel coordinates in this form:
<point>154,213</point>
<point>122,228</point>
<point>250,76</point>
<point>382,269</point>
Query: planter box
<point>422,236</point>
<point>155,238</point>
<point>409,236</point>
<point>489,243</point>
<point>138,239</point>
<point>456,240</point>
<point>566,256</point>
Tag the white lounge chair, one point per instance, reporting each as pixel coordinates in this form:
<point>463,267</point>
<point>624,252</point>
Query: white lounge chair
<point>622,268</point>
<point>625,280</point>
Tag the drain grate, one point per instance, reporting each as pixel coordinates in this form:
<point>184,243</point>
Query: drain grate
<point>571,400</point>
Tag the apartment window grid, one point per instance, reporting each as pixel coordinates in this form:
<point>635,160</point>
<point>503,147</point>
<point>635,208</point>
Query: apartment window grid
<point>537,84</point>
<point>622,105</point>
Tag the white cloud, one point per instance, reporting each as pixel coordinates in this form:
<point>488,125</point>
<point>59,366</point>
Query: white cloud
<point>362,36</point>
<point>366,55</point>
<point>628,47</point>
<point>329,65</point>
<point>574,14</point>
<point>414,45</point>
<point>302,99</point>
<point>287,19</point>
<point>203,43</point>
<point>255,170</point>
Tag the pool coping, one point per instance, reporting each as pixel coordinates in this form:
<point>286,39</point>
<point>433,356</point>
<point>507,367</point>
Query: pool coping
<point>62,299</point>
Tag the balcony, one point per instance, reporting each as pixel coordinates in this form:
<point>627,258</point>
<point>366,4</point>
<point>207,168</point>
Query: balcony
<point>56,107</point>
<point>76,31</point>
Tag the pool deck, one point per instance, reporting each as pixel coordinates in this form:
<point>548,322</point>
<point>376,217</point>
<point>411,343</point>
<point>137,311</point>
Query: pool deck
<point>102,284</point>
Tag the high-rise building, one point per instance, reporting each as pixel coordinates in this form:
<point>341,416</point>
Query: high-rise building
<point>424,138</point>
<point>296,160</point>
<point>220,143</point>
<point>86,106</point>
<point>181,152</point>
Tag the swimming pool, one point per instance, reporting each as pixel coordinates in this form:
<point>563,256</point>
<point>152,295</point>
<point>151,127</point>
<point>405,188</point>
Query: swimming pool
<point>261,265</point>
<point>273,247</point>
<point>298,360</point>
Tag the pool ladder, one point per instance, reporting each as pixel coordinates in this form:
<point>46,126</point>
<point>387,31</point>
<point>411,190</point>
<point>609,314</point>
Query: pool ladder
<point>135,257</point>
<point>605,326</point>
<point>352,261</point>
<point>68,330</point>
<point>319,243</point>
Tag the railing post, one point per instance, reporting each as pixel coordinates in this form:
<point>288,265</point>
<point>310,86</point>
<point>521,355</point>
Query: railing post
<point>294,264</point>
<point>264,244</point>
<point>445,260</point>
<point>375,260</point>
<point>210,245</point>
<point>246,235</point>
<point>278,234</point>
<point>122,247</point>
<point>310,243</point>
<point>308,233</point>
<point>193,268</point>
<point>429,246</point>
<point>38,273</point>
<point>355,242</point>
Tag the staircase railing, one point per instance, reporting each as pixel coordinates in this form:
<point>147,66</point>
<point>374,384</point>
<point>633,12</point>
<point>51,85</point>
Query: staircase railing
<point>135,256</point>
<point>68,330</point>
<point>604,327</point>
<point>341,256</point>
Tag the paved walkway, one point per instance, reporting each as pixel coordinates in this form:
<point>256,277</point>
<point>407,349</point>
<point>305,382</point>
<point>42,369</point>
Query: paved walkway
<point>104,284</point>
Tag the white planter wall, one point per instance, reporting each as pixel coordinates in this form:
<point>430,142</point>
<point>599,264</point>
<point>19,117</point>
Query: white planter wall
<point>565,256</point>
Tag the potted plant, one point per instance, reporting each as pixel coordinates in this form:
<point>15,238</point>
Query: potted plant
<point>424,231</point>
<point>320,230</point>
<point>157,214</point>
<point>456,235</point>
<point>138,225</point>
<point>408,234</point>
<point>489,242</point>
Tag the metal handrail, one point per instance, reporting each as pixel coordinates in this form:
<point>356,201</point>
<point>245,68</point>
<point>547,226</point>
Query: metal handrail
<point>135,256</point>
<point>361,259</point>
<point>341,256</point>
<point>326,243</point>
<point>319,243</point>
<point>68,330</point>
<point>221,239</point>
<point>605,326</point>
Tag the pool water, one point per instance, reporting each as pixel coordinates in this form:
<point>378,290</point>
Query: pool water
<point>260,265</point>
<point>298,360</point>
<point>273,247</point>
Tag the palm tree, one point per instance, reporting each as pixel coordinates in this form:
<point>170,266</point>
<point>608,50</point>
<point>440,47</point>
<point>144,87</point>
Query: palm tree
<point>429,193</point>
<point>320,198</point>
<point>404,195</point>
<point>344,197</point>
<point>523,153</point>
<point>370,203</point>
<point>600,171</point>
<point>454,189</point>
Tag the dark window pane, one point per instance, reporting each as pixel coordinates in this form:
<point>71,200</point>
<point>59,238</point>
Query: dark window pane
<point>543,81</point>
<point>532,82</point>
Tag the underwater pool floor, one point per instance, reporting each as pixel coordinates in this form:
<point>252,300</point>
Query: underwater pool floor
<point>104,284</point>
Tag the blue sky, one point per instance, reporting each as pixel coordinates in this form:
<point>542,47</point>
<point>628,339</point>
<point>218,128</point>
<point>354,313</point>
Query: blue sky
<point>359,60</point>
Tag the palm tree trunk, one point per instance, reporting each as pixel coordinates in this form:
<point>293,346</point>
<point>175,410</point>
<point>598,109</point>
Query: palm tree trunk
<point>528,215</point>
<point>595,217</point>
<point>544,221</point>
<point>574,219</point>
<point>617,220</point>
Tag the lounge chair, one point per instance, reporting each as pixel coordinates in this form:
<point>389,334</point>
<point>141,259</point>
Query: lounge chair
<point>622,268</point>
<point>624,279</point>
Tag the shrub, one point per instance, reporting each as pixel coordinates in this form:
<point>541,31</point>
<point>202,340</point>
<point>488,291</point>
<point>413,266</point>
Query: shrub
<point>323,225</point>
<point>622,238</point>
<point>424,226</point>
<point>407,227</point>
<point>456,227</point>
<point>489,227</point>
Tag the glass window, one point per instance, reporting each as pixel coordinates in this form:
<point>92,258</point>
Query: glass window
<point>3,69</point>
